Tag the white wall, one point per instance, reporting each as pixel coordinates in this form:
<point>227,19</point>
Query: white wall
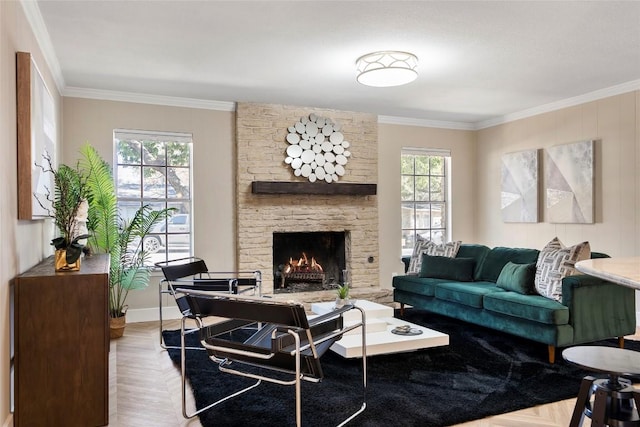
<point>24,243</point>
<point>615,122</point>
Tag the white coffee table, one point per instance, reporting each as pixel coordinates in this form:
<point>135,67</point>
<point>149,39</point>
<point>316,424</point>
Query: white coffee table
<point>380,339</point>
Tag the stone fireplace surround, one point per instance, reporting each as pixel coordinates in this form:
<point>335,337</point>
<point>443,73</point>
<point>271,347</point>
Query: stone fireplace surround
<point>261,131</point>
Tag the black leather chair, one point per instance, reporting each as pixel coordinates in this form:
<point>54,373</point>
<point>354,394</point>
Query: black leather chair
<point>285,343</point>
<point>192,273</point>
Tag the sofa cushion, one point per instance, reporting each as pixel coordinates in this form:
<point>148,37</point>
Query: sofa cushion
<point>556,262</point>
<point>499,256</point>
<point>518,278</point>
<point>531,307</point>
<point>441,267</point>
<point>416,285</point>
<point>424,246</point>
<point>470,293</point>
<point>477,252</point>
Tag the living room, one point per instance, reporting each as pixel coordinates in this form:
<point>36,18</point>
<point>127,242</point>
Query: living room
<point>606,112</point>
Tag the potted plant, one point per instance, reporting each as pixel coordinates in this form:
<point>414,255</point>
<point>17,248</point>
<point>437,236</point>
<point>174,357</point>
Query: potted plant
<point>68,209</point>
<point>342,298</point>
<point>120,238</point>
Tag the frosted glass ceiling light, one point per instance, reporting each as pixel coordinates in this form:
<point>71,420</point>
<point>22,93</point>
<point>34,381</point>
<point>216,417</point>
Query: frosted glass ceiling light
<point>387,68</point>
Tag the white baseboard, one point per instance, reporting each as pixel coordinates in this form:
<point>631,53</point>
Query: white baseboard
<point>9,421</point>
<point>152,314</point>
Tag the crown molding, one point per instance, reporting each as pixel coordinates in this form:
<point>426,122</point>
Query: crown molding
<point>32,13</point>
<point>406,121</point>
<point>34,17</point>
<point>564,103</point>
<point>143,98</point>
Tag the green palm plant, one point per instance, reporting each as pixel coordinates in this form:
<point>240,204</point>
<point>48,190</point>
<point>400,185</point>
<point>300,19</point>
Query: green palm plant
<point>110,233</point>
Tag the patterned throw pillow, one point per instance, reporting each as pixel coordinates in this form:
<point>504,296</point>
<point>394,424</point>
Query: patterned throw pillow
<point>556,262</point>
<point>424,246</point>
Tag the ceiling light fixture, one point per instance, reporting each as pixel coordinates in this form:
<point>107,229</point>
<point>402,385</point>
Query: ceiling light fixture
<point>387,68</point>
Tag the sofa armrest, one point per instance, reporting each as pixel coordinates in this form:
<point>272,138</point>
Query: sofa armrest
<point>598,308</point>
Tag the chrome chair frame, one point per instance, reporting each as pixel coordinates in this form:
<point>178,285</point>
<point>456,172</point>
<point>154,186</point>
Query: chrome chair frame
<point>192,272</point>
<point>286,338</point>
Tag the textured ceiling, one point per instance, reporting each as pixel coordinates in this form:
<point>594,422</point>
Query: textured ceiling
<point>479,60</point>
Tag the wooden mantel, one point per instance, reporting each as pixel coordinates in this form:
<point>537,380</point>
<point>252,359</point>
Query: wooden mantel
<point>324,188</point>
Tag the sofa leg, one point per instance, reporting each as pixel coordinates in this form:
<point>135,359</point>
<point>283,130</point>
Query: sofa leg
<point>552,354</point>
<point>401,309</point>
<point>621,342</point>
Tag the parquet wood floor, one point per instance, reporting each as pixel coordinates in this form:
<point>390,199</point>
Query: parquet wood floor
<point>145,388</point>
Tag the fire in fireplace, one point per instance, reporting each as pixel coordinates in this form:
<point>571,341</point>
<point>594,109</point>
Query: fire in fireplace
<point>307,261</point>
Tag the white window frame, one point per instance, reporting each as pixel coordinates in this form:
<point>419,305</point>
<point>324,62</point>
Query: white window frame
<point>406,250</point>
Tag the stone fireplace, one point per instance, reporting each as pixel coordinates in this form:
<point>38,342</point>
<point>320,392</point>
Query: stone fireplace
<point>261,132</point>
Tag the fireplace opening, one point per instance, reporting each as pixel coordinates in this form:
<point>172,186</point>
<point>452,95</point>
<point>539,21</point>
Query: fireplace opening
<point>308,261</point>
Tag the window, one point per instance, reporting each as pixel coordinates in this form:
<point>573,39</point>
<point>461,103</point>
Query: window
<point>424,196</point>
<point>154,168</point>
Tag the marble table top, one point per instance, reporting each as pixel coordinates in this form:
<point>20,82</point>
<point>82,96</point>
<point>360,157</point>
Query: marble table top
<point>611,360</point>
<point>623,271</point>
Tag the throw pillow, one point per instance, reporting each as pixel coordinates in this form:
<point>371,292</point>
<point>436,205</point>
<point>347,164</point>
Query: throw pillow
<point>442,267</point>
<point>555,262</point>
<point>519,278</point>
<point>424,246</point>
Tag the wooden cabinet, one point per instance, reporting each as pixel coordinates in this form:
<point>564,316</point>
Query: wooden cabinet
<point>61,345</point>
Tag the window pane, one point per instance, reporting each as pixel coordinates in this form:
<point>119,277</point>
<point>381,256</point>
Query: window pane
<point>153,153</point>
<point>406,192</point>
<point>438,216</point>
<point>154,183</point>
<point>437,189</point>
<point>178,154</point>
<point>408,215</point>
<point>178,183</point>
<point>128,152</point>
<point>437,165</point>
<point>128,209</point>
<point>407,164</point>
<point>422,188</point>
<point>423,215</point>
<point>128,184</point>
<point>422,165</point>
<point>178,245</point>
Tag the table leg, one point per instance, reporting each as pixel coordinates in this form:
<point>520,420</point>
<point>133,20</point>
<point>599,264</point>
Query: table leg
<point>581,402</point>
<point>598,417</point>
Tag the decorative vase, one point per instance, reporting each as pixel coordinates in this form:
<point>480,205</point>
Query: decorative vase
<point>341,302</point>
<point>116,326</point>
<point>61,261</point>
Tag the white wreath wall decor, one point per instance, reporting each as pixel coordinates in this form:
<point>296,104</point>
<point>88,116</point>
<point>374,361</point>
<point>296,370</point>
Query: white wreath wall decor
<point>317,149</point>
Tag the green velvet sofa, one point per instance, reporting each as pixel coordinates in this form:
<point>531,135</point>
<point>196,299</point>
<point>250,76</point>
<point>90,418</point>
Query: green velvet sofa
<point>591,309</point>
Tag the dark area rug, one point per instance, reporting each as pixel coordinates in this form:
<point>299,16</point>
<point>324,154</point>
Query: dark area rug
<point>481,373</point>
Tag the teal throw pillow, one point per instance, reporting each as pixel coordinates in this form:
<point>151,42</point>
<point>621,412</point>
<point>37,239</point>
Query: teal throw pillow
<point>518,278</point>
<point>441,267</point>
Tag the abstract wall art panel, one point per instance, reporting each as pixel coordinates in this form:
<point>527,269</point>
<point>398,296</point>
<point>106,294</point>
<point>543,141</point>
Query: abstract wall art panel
<point>569,183</point>
<point>519,197</point>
